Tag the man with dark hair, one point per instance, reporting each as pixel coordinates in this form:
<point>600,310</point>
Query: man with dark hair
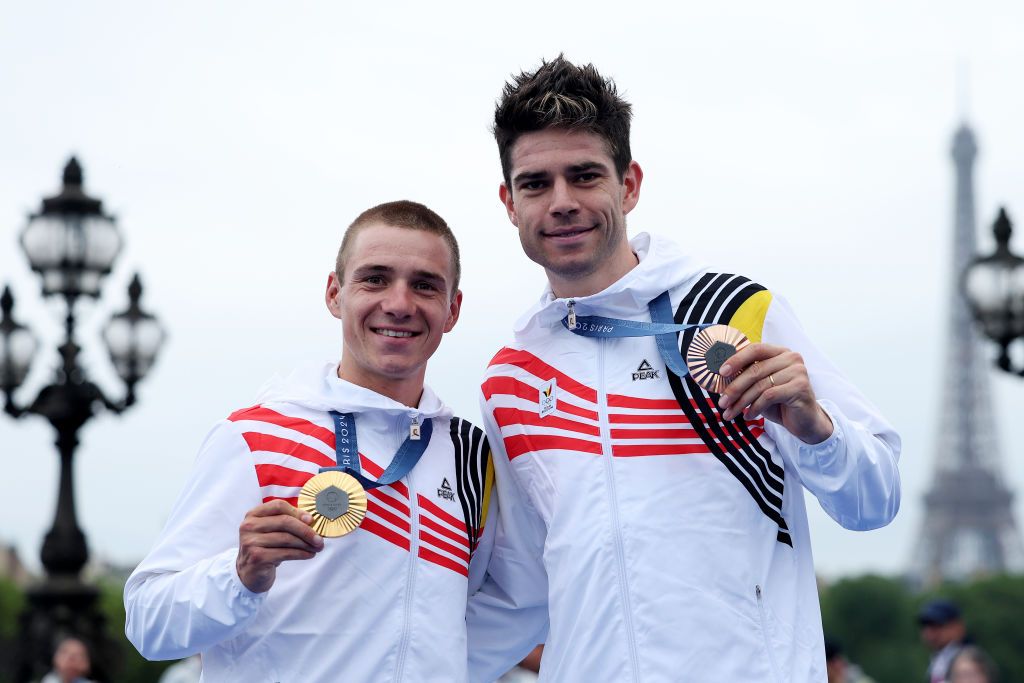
<point>654,425</point>
<point>943,633</point>
<point>332,531</point>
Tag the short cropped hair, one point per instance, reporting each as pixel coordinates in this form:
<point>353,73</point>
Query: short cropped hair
<point>401,214</point>
<point>560,94</point>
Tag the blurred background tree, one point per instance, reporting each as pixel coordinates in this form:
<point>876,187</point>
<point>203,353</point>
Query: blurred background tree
<point>11,601</point>
<point>875,618</point>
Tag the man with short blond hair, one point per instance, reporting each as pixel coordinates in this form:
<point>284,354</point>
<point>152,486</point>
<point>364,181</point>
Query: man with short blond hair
<point>397,485</point>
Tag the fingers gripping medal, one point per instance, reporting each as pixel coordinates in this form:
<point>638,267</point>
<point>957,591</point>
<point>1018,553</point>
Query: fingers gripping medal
<point>336,501</point>
<point>710,348</point>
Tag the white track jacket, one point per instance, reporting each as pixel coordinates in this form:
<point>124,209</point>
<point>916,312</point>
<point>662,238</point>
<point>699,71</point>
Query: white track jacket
<point>384,603</point>
<point>641,536</point>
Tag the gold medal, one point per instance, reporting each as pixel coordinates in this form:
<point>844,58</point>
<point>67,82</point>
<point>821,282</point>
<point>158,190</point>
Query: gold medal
<point>708,351</point>
<point>337,502</point>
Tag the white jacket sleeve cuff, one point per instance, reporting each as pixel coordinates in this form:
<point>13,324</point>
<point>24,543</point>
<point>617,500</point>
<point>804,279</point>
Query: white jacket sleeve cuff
<point>852,473</point>
<point>177,614</point>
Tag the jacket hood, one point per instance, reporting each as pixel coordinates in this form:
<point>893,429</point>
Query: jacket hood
<point>318,387</point>
<point>663,265</point>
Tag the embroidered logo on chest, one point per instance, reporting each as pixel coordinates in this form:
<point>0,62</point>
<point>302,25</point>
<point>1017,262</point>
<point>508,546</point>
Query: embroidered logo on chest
<point>546,400</point>
<point>445,490</point>
<point>645,371</point>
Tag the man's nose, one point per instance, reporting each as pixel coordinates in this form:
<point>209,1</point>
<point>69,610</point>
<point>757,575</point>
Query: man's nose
<point>398,300</point>
<point>563,198</point>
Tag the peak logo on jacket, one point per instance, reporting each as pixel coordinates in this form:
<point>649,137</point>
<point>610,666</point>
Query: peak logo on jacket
<point>546,399</point>
<point>645,371</point>
<point>445,490</point>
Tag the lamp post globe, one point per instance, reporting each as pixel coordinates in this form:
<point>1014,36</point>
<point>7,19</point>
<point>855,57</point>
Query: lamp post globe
<point>17,346</point>
<point>71,243</point>
<point>133,338</point>
<point>994,288</point>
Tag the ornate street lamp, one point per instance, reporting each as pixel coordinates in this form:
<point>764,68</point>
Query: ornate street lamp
<point>994,288</point>
<point>72,244</point>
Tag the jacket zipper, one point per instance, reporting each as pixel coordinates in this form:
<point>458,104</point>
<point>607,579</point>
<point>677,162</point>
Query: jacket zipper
<point>606,449</point>
<point>571,303</point>
<point>764,634</point>
<point>410,579</point>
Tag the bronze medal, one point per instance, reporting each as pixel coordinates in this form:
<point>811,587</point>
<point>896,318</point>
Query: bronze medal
<point>337,502</point>
<point>708,351</point>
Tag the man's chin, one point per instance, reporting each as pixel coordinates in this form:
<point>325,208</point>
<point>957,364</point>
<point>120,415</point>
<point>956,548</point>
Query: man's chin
<point>569,269</point>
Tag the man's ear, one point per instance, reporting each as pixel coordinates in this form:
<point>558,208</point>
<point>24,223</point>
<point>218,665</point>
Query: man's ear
<point>505,195</point>
<point>631,186</point>
<point>454,307</point>
<point>332,294</point>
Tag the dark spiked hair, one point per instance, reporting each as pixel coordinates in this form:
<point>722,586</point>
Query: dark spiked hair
<point>560,94</point>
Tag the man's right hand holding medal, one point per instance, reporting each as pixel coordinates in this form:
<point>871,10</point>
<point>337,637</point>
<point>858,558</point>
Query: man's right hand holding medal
<point>270,534</point>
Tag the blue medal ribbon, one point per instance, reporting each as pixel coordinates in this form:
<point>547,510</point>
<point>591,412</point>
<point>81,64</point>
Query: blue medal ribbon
<point>346,450</point>
<point>661,328</point>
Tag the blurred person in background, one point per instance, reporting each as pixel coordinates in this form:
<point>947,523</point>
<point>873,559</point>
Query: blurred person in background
<point>944,633</point>
<point>973,665</point>
<point>838,667</point>
<point>71,663</point>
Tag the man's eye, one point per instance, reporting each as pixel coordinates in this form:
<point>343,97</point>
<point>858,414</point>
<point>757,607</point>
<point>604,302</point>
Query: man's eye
<point>532,185</point>
<point>374,280</point>
<point>425,286</point>
<point>586,177</point>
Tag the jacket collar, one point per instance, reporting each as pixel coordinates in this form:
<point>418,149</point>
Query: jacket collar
<point>662,266</point>
<point>318,387</point>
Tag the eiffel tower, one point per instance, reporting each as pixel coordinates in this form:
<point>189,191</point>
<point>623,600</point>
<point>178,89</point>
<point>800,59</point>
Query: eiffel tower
<point>969,528</point>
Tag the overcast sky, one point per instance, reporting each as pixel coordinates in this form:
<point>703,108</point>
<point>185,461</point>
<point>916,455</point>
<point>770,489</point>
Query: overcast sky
<point>803,143</point>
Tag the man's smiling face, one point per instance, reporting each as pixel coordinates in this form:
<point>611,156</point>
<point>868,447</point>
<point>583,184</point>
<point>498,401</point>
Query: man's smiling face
<point>570,207</point>
<point>395,303</point>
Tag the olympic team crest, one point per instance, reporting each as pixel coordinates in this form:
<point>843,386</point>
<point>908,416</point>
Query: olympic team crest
<point>547,400</point>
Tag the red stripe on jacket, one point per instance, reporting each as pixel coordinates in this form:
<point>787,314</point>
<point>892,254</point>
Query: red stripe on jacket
<point>444,531</point>
<point>275,444</point>
<point>276,475</point>
<point>527,443</point>
<point>378,510</point>
<point>375,470</point>
<point>510,386</point>
<point>514,416</point>
<point>437,558</point>
<point>261,414</point>
<point>538,368</point>
<point>445,546</point>
<point>388,500</point>
<point>377,529</point>
<point>432,507</point>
